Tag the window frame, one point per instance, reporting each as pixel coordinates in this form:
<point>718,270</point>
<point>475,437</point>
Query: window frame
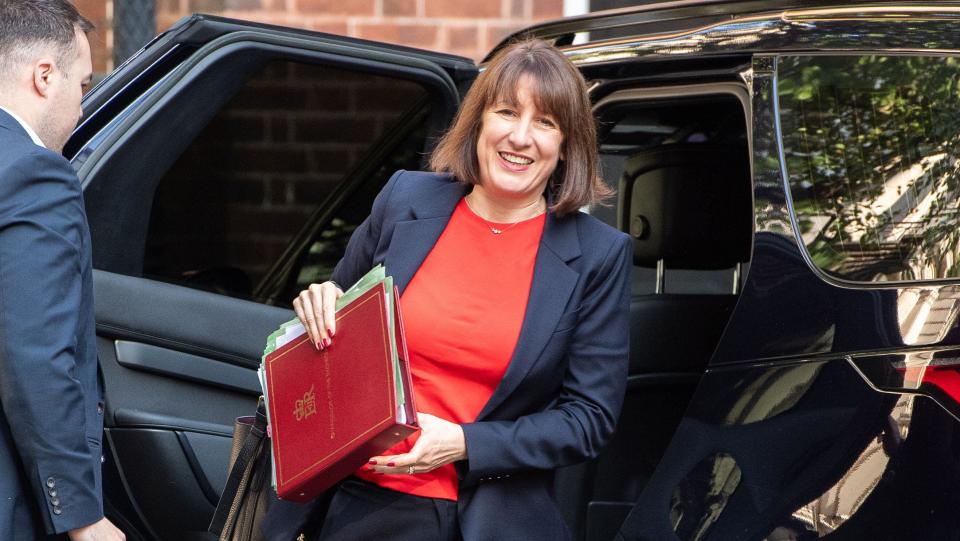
<point>107,169</point>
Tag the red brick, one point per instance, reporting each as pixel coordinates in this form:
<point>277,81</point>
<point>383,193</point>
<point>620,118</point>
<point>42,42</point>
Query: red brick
<point>333,130</point>
<point>273,159</point>
<point>547,9</point>
<point>250,220</point>
<point>339,7</point>
<point>168,6</point>
<point>329,27</point>
<point>312,191</point>
<point>393,96</point>
<point>468,9</point>
<point>496,34</point>
<point>217,6</point>
<point>463,38</point>
<point>95,10</point>
<point>166,20</point>
<point>100,54</point>
<point>399,7</point>
<point>273,98</point>
<point>328,99</point>
<point>414,35</point>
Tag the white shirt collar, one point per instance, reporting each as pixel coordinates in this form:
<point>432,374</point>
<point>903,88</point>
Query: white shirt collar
<point>33,135</point>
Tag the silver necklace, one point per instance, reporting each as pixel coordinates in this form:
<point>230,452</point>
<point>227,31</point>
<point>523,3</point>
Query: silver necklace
<point>497,230</point>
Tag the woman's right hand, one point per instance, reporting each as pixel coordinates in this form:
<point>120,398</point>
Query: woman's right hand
<point>315,306</point>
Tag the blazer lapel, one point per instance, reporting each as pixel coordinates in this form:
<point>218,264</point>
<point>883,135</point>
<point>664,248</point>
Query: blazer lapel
<point>553,283</point>
<point>413,239</point>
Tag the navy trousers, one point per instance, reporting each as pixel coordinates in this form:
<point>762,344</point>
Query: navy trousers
<point>362,511</point>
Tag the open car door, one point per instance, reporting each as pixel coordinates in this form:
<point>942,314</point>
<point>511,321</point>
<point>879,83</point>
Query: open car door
<point>224,168</point>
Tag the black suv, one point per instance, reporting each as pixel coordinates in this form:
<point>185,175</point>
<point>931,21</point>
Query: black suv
<point>786,168</point>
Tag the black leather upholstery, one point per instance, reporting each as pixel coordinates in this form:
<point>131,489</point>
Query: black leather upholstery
<point>676,333</point>
<point>691,206</point>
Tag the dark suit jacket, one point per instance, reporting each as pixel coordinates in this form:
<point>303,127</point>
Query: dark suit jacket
<point>561,395</point>
<point>50,398</point>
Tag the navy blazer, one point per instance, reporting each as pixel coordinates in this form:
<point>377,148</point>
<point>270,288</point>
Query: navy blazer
<point>560,398</point>
<point>50,396</point>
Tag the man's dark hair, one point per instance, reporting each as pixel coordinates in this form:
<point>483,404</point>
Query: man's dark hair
<point>26,24</point>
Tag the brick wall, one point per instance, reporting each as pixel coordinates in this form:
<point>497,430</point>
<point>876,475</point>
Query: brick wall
<point>469,28</point>
<point>101,40</point>
<point>249,181</point>
<point>465,27</point>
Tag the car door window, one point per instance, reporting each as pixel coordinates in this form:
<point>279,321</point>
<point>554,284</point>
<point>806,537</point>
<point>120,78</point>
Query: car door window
<point>227,209</point>
<point>871,151</point>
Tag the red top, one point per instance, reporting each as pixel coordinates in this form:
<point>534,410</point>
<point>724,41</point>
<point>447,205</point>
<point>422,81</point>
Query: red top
<point>462,313</point>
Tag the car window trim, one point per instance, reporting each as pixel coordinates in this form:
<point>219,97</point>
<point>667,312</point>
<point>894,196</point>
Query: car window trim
<point>342,56</point>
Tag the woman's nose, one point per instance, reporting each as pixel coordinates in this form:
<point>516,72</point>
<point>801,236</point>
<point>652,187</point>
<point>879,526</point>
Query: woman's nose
<point>520,134</point>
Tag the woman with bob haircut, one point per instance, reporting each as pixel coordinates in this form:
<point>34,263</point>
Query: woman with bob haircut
<point>516,309</point>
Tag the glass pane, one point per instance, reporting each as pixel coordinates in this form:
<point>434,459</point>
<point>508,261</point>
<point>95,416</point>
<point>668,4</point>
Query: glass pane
<point>229,207</point>
<point>630,130</point>
<point>871,149</point>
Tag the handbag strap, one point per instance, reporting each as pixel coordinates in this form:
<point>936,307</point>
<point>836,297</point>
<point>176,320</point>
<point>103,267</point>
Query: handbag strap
<point>251,446</point>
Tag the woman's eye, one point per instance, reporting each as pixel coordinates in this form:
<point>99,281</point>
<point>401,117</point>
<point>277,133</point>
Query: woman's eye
<point>547,123</point>
<point>507,112</point>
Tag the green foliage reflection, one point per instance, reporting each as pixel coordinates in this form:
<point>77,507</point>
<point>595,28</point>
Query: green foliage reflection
<point>871,151</point>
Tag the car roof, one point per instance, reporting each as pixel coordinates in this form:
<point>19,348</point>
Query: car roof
<point>677,16</point>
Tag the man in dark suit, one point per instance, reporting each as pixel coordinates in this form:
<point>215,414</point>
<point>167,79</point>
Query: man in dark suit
<point>50,397</point>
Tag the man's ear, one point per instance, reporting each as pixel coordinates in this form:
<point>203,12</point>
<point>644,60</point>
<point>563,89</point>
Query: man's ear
<point>44,71</point>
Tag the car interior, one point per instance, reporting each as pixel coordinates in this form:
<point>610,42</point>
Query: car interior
<point>681,169</point>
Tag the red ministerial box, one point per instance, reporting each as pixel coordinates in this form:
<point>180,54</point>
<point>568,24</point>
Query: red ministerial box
<point>331,410</point>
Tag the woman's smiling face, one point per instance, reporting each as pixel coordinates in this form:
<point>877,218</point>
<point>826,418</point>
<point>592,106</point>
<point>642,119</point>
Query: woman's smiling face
<point>518,147</point>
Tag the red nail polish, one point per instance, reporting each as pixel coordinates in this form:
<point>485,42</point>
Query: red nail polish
<point>327,342</point>
<point>320,346</point>
<point>374,462</point>
<point>316,346</point>
<point>390,464</point>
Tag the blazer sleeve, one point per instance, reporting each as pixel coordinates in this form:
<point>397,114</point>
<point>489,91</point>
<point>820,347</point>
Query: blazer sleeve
<point>358,257</point>
<point>41,236</point>
<point>583,417</point>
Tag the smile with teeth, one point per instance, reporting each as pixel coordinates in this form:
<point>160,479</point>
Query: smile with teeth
<point>514,159</point>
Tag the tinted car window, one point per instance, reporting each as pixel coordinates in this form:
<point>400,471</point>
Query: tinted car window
<point>870,144</point>
<point>228,208</point>
<point>629,129</point>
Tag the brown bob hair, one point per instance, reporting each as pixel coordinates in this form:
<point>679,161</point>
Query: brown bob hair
<point>561,92</point>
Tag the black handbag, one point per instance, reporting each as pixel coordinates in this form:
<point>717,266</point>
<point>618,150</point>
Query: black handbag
<point>247,494</point>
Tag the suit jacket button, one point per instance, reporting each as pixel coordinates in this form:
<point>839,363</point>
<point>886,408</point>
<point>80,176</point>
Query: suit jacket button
<point>56,511</point>
<point>55,501</point>
<point>100,408</point>
<point>51,482</point>
<point>53,493</point>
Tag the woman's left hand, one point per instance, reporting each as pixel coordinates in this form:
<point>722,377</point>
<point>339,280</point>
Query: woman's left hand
<point>441,442</point>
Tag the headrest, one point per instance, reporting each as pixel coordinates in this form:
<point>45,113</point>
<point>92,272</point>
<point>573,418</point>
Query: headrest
<point>688,204</point>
